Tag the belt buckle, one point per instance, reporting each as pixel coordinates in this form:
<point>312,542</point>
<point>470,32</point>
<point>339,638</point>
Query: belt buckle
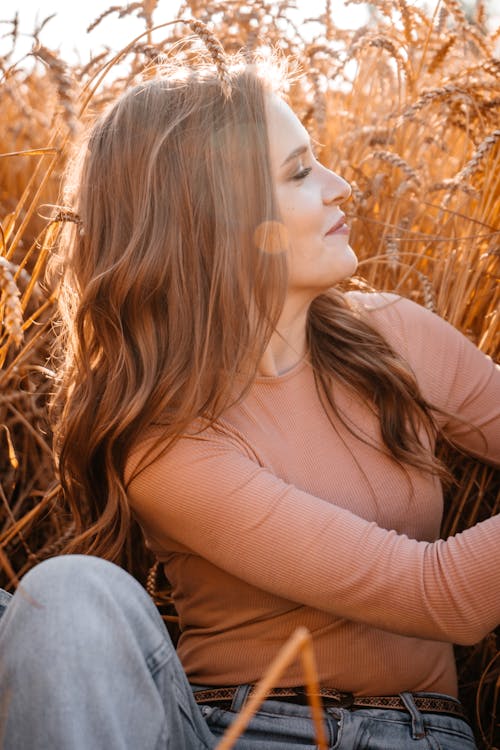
<point>337,698</point>
<point>332,697</point>
<point>345,700</point>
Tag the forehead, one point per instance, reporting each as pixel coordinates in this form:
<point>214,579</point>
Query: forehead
<point>286,132</point>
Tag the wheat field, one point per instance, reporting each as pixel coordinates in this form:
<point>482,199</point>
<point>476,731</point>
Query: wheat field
<point>406,108</point>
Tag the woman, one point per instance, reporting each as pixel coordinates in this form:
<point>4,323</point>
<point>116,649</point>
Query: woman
<point>273,436</point>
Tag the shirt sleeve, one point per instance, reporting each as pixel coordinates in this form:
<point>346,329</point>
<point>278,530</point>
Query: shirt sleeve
<point>209,495</point>
<point>453,374</point>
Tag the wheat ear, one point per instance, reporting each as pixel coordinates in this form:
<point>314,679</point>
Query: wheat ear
<point>396,161</point>
<point>216,51</point>
<point>428,291</point>
<point>13,312</point>
<point>481,153</point>
<point>67,214</point>
<point>59,72</point>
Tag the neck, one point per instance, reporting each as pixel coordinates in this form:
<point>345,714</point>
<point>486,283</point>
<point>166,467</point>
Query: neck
<point>287,345</point>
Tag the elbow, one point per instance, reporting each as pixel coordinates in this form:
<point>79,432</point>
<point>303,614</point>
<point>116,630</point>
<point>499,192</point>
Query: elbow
<point>470,639</point>
<point>462,626</point>
<point>468,634</point>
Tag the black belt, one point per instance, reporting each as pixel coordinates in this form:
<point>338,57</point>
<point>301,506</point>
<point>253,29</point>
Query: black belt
<point>223,697</point>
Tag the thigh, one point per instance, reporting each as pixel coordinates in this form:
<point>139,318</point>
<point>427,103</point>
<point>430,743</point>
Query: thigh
<point>84,648</point>
<point>378,729</point>
<point>450,733</point>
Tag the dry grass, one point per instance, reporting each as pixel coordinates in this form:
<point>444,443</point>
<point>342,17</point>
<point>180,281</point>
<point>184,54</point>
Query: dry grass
<point>406,108</point>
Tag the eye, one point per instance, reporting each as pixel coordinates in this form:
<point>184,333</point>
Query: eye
<point>302,174</point>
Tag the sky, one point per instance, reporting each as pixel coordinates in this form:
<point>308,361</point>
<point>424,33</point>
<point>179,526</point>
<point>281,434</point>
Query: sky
<point>67,30</point>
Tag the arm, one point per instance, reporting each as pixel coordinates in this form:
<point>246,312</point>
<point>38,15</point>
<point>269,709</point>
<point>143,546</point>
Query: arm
<point>473,398</point>
<point>211,496</point>
<point>452,373</point>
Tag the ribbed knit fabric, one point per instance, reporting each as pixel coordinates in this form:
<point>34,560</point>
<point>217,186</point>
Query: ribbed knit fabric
<point>277,519</point>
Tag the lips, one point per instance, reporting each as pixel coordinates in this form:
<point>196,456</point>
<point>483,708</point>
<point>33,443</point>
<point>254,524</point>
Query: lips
<point>339,225</point>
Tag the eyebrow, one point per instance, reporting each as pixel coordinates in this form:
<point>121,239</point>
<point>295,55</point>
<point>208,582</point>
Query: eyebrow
<point>296,152</point>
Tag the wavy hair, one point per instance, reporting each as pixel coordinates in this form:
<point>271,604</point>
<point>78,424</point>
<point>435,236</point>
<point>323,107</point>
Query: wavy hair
<point>165,297</point>
<point>167,300</point>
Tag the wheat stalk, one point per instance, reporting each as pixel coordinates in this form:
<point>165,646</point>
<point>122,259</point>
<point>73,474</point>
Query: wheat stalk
<point>472,32</point>
<point>481,14</point>
<point>451,185</point>
<point>428,291</point>
<point>441,19</point>
<point>438,59</point>
<point>120,9</point>
<point>13,313</point>
<point>299,644</point>
<point>216,51</point>
<point>492,66</point>
<point>392,250</point>
<point>485,147</point>
<point>64,84</point>
<point>408,23</point>
<point>443,92</point>
<point>456,10</point>
<point>396,161</point>
<point>379,41</point>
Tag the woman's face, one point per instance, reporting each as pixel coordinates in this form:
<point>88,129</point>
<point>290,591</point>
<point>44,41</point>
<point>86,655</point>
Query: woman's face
<point>309,197</point>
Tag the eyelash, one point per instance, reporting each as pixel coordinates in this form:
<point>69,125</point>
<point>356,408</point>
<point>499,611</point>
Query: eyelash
<point>302,174</point>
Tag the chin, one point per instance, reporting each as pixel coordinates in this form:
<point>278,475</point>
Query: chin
<point>354,261</point>
<point>347,268</point>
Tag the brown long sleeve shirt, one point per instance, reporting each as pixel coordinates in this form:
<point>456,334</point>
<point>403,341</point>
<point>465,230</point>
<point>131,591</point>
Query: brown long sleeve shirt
<point>279,519</point>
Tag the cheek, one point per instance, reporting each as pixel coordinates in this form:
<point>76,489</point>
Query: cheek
<point>301,214</point>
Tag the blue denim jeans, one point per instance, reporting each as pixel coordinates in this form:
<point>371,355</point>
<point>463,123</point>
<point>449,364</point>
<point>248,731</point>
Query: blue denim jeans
<point>86,662</point>
<point>281,726</point>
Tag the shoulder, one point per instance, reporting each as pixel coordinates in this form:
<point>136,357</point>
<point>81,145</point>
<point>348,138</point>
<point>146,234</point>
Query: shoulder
<point>385,305</point>
<point>407,326</point>
<point>381,306</point>
<point>450,370</point>
<point>199,443</point>
<point>429,345</point>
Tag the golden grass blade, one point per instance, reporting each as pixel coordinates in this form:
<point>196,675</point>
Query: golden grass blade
<point>12,309</point>
<point>28,348</point>
<point>482,152</point>
<point>300,642</point>
<point>482,681</point>
<point>12,453</point>
<point>6,230</point>
<point>37,314</point>
<point>6,565</point>
<point>199,28</point>
<point>50,238</point>
<point>31,152</point>
<point>216,51</point>
<point>28,518</point>
<point>34,201</point>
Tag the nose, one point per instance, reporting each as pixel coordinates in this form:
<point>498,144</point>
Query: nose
<point>336,189</point>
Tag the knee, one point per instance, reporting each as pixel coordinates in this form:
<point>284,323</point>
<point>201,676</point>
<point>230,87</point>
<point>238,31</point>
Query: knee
<point>78,615</point>
<point>79,599</point>
<point>64,569</point>
<point>68,578</point>
<point>82,587</point>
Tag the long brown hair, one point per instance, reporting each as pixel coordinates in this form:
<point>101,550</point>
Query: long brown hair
<point>168,301</point>
<point>165,296</point>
